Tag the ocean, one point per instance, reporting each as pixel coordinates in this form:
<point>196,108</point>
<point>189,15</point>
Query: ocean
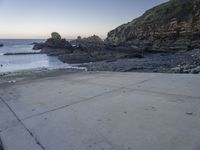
<point>25,62</point>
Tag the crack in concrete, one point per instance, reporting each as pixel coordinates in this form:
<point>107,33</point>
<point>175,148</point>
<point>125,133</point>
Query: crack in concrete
<point>74,103</point>
<point>20,121</point>
<point>83,100</point>
<point>1,145</point>
<point>92,83</point>
<point>162,93</point>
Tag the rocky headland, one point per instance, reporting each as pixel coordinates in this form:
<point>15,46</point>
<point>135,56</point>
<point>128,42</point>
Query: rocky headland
<point>82,50</point>
<point>172,26</point>
<point>165,38</point>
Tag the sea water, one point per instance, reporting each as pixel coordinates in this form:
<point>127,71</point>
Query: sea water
<point>14,63</point>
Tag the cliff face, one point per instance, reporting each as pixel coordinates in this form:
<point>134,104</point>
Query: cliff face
<point>173,25</point>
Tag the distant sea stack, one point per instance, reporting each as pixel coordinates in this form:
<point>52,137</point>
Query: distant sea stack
<point>171,26</point>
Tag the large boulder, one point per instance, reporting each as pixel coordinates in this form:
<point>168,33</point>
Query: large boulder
<point>55,35</point>
<point>55,42</point>
<point>56,47</point>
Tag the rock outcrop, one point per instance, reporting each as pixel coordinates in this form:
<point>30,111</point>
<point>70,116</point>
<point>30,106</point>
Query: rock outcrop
<point>172,26</point>
<point>38,46</point>
<point>90,43</point>
<point>54,46</point>
<point>55,35</point>
<point>81,50</point>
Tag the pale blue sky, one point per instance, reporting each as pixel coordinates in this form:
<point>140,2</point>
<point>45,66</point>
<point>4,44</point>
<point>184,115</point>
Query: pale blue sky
<point>38,18</point>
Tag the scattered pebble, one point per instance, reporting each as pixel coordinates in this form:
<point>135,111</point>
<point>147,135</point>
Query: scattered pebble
<point>12,81</point>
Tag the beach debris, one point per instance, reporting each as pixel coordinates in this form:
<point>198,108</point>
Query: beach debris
<point>12,81</point>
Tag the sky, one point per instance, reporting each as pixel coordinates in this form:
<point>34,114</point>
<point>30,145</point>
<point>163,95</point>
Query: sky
<point>71,18</point>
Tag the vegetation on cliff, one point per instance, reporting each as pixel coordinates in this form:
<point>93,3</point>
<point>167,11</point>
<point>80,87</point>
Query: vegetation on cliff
<point>163,27</point>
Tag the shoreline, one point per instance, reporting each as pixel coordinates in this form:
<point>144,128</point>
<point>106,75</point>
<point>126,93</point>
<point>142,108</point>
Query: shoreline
<point>32,74</point>
<point>13,77</point>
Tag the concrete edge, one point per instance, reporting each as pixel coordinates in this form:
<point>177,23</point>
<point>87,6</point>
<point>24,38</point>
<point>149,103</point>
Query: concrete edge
<point>1,145</point>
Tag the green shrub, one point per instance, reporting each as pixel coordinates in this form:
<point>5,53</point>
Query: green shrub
<point>55,35</point>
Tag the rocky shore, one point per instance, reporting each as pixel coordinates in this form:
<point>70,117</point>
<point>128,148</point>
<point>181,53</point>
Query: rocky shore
<point>165,39</point>
<point>101,57</point>
<point>91,49</point>
<point>180,62</point>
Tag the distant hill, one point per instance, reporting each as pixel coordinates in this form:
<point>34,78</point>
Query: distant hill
<point>174,25</point>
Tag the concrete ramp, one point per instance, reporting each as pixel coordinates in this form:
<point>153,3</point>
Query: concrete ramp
<point>101,111</point>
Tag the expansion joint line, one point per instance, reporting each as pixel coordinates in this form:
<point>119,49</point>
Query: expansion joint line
<point>18,119</point>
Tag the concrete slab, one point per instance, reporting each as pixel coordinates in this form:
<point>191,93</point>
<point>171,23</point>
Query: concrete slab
<point>121,120</point>
<point>40,96</point>
<point>122,79</point>
<point>1,145</point>
<point>178,84</point>
<point>110,111</point>
<point>7,119</point>
<point>17,138</point>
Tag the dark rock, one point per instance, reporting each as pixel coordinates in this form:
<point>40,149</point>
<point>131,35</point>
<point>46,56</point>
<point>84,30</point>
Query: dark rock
<point>1,45</point>
<point>92,43</point>
<point>54,46</point>
<point>195,44</point>
<point>38,46</point>
<point>196,70</point>
<point>177,69</point>
<point>171,26</point>
<point>57,43</point>
<point>75,58</point>
<point>55,51</point>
